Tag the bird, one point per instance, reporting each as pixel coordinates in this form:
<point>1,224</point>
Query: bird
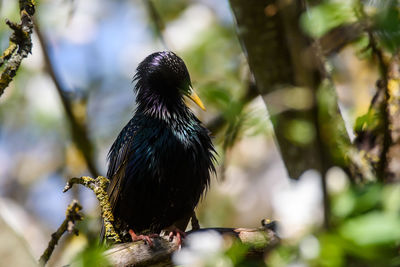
<point>161,162</point>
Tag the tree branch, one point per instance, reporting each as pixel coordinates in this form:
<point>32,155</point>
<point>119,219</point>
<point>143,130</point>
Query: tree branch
<point>158,22</point>
<point>333,41</point>
<point>72,215</point>
<point>393,155</point>
<point>78,129</point>
<point>277,37</point>
<point>99,187</point>
<point>20,44</point>
<point>138,253</point>
<point>379,102</point>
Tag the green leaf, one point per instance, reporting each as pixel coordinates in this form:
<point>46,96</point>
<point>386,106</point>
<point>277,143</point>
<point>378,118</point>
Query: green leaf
<point>343,205</point>
<point>332,254</point>
<point>391,198</point>
<point>368,198</point>
<point>374,228</point>
<point>320,19</point>
<point>388,26</point>
<point>92,255</point>
<point>301,132</point>
<point>237,252</point>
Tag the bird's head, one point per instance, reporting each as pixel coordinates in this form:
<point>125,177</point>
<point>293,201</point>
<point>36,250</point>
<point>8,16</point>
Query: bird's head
<point>163,75</point>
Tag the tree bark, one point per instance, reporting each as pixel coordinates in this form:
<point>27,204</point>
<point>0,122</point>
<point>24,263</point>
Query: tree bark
<point>140,254</point>
<point>282,58</point>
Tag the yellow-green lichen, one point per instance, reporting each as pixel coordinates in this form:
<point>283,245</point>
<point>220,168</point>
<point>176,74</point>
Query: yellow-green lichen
<point>99,187</point>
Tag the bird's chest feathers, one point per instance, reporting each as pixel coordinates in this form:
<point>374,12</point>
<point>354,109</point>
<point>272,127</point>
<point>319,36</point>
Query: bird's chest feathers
<point>172,149</point>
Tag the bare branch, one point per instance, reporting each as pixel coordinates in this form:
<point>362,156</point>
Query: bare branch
<point>333,41</point>
<point>383,91</point>
<point>158,22</point>
<point>20,45</point>
<point>79,132</point>
<point>72,215</point>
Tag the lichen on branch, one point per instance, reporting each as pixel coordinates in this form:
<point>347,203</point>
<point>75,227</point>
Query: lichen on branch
<point>20,44</point>
<point>99,187</point>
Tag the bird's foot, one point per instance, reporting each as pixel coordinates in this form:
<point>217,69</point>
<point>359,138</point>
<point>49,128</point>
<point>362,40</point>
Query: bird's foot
<point>145,238</point>
<point>175,231</point>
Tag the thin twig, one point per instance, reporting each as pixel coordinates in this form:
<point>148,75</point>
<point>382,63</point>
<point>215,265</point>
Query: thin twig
<point>387,137</point>
<point>383,86</point>
<point>99,187</point>
<point>20,44</point>
<point>72,215</point>
<point>78,129</point>
<point>158,22</point>
<point>333,41</point>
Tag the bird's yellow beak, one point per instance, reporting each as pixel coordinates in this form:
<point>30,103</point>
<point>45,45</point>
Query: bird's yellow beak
<point>196,99</point>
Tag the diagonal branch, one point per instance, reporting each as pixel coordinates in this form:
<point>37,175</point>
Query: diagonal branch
<point>72,215</point>
<point>78,129</point>
<point>158,22</point>
<point>20,44</point>
<point>333,41</point>
<point>383,89</point>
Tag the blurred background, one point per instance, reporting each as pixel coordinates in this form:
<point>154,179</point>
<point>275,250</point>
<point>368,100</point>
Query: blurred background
<point>93,48</point>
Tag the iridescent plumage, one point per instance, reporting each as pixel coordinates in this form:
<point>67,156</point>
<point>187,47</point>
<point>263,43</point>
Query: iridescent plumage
<point>160,163</point>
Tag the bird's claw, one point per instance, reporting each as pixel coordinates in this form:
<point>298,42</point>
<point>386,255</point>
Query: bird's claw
<point>145,238</point>
<point>174,231</point>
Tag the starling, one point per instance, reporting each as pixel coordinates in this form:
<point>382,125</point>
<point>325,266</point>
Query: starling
<point>160,163</point>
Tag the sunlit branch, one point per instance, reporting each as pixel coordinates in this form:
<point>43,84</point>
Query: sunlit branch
<point>259,240</point>
<point>99,187</point>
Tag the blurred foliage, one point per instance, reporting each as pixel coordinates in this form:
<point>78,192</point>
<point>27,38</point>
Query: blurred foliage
<point>322,18</point>
<point>369,121</point>
<point>171,9</point>
<point>382,14</point>
<point>92,255</point>
<point>300,132</point>
<point>387,24</point>
<point>221,79</point>
<point>236,253</point>
<point>365,218</point>
<point>365,231</point>
<point>334,136</point>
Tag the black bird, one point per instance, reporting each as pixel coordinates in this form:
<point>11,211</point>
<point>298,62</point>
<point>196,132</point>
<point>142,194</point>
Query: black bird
<point>160,163</point>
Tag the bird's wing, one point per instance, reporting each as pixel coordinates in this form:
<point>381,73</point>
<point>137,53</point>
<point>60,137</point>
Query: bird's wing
<point>117,176</point>
<point>118,158</point>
